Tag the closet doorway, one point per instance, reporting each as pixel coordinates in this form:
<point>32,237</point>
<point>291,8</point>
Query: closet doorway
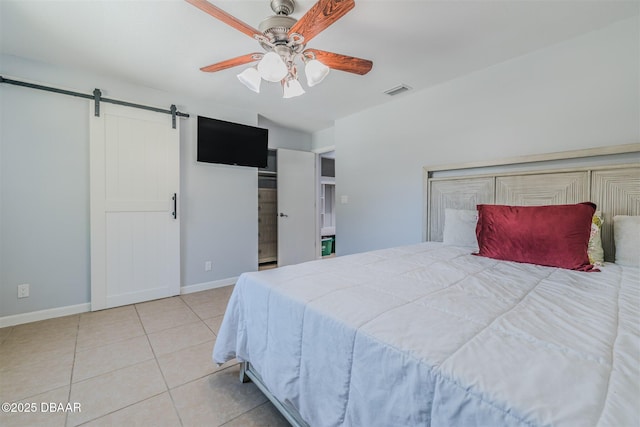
<point>327,203</point>
<point>287,213</point>
<point>268,213</point>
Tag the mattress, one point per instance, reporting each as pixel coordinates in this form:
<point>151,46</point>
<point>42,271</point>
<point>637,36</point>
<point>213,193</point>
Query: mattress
<point>430,335</point>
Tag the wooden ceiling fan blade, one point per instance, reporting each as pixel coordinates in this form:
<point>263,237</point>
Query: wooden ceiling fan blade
<point>223,16</point>
<point>350,64</point>
<point>320,16</point>
<point>234,62</point>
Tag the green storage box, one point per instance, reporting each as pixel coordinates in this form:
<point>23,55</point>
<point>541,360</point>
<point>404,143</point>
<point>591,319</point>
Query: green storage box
<point>327,245</point>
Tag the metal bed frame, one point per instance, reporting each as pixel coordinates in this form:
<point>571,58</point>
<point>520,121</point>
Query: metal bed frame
<point>247,373</point>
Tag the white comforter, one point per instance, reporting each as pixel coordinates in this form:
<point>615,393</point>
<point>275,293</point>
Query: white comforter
<point>428,335</point>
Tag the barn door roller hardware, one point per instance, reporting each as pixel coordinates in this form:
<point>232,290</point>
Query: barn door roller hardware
<point>97,98</point>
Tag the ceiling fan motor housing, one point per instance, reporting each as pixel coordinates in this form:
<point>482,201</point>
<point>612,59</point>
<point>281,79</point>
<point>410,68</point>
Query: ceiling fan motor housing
<point>282,7</point>
<point>276,28</point>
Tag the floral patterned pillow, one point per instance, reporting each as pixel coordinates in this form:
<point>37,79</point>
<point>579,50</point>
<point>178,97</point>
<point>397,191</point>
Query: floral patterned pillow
<point>594,250</point>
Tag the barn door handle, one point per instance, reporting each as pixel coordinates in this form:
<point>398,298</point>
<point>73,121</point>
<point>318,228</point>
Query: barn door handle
<point>175,206</point>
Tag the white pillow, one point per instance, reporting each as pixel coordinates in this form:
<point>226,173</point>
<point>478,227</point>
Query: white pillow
<point>626,235</point>
<point>460,228</point>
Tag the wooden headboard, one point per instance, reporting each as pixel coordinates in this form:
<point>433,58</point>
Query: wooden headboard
<point>608,177</point>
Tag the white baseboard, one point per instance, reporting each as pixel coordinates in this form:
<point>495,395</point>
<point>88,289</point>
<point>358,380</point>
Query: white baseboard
<point>208,285</point>
<point>34,316</point>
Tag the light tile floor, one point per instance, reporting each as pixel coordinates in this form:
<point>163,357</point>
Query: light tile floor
<point>145,364</point>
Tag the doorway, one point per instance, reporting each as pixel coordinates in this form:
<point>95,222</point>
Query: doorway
<point>287,209</point>
<point>268,213</point>
<point>327,203</point>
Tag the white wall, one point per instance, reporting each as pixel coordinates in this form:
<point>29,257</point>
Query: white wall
<point>581,93</point>
<point>44,205</point>
<point>323,140</point>
<point>44,199</point>
<point>282,137</point>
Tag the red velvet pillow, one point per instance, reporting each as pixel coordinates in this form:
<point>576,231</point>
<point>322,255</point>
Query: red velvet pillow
<point>555,236</point>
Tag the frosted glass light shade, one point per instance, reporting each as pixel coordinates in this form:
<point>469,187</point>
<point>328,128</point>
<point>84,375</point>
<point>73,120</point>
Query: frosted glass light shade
<point>315,71</point>
<point>272,68</point>
<point>251,79</point>
<point>291,88</point>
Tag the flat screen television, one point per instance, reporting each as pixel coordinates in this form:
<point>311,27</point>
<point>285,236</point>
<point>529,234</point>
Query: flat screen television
<point>231,143</point>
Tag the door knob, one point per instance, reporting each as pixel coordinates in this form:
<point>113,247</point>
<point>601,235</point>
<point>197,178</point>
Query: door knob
<point>283,215</point>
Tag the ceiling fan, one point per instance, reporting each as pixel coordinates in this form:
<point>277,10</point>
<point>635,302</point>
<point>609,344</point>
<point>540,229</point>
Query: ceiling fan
<point>284,40</point>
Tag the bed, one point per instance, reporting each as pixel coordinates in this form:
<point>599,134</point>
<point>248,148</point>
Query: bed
<point>431,335</point>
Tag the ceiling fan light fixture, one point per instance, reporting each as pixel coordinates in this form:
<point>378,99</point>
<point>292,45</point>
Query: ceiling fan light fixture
<point>251,78</point>
<point>272,68</point>
<point>315,71</point>
<point>291,88</point>
<point>284,38</point>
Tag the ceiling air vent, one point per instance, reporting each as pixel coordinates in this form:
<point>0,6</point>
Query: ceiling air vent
<point>397,90</point>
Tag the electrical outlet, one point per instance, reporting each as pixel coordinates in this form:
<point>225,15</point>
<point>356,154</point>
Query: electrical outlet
<point>23,290</point>
<point>207,266</point>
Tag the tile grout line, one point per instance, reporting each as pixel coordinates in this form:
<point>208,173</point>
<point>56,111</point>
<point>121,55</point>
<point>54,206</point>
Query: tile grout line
<point>119,409</point>
<point>215,334</point>
<point>11,329</point>
<point>196,379</point>
<point>91,347</point>
<point>145,334</point>
<point>109,343</point>
<point>221,370</point>
<point>114,369</point>
<point>73,366</point>
<point>189,306</point>
<point>155,358</point>
<point>74,380</point>
<point>40,391</point>
<point>244,413</point>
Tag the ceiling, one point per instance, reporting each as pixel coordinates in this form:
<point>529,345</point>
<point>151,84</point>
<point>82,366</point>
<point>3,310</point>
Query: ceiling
<point>162,44</point>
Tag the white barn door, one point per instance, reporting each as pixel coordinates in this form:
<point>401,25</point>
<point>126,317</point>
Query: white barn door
<point>135,230</point>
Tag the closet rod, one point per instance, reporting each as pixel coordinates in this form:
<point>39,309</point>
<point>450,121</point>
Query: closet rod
<point>96,96</point>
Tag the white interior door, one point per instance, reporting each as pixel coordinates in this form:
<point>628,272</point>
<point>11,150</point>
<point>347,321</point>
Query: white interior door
<point>296,207</point>
<point>135,231</point>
